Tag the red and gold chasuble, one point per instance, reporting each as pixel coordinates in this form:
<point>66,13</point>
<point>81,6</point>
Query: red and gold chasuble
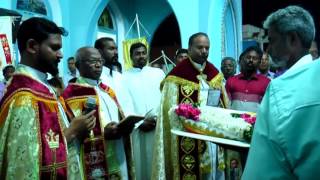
<point>93,151</point>
<point>187,78</point>
<point>53,151</point>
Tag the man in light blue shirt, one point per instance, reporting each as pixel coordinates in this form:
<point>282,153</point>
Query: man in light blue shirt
<point>286,141</point>
<point>72,73</point>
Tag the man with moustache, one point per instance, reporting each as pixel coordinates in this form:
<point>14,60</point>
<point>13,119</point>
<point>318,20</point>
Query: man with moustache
<point>102,152</point>
<point>264,66</point>
<point>109,52</point>
<point>143,83</point>
<point>285,142</point>
<point>246,89</point>
<point>72,73</point>
<point>189,82</point>
<point>36,140</point>
<point>181,54</point>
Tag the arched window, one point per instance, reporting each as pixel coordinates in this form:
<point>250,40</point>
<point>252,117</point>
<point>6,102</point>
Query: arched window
<point>105,20</point>
<point>230,34</point>
<point>106,24</point>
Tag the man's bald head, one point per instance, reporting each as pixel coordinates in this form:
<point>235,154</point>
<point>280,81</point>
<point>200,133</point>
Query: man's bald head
<point>89,62</point>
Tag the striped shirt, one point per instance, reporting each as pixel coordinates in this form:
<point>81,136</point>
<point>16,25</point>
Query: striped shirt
<point>246,94</point>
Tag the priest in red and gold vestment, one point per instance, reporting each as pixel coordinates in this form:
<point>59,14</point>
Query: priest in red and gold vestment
<point>189,82</point>
<point>102,151</point>
<point>34,129</point>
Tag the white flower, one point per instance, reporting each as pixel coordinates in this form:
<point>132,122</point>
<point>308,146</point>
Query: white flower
<point>219,122</point>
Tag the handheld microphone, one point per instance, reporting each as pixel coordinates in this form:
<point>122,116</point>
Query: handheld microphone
<point>89,105</point>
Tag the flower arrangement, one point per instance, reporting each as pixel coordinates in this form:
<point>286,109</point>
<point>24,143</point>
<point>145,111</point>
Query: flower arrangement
<point>249,118</point>
<point>188,111</point>
<point>218,122</point>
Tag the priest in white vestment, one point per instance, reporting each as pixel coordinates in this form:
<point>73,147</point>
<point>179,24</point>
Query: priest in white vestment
<point>109,52</point>
<point>143,84</point>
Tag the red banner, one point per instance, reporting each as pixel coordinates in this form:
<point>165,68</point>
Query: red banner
<point>6,47</point>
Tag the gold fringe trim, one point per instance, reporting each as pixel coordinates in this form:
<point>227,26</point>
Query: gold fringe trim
<point>77,103</point>
<point>181,81</point>
<point>19,100</point>
<point>216,82</point>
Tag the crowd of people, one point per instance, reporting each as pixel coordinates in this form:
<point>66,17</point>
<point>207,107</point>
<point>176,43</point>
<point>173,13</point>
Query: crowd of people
<point>101,122</point>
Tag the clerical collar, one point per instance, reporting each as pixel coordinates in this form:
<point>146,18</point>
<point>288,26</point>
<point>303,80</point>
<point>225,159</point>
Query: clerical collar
<point>89,81</point>
<point>34,73</point>
<point>199,67</point>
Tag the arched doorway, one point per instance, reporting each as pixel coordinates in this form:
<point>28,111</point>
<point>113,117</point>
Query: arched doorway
<point>166,38</point>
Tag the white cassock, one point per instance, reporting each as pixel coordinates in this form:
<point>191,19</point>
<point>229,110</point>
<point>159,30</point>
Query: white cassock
<point>211,156</point>
<point>143,86</point>
<point>117,85</point>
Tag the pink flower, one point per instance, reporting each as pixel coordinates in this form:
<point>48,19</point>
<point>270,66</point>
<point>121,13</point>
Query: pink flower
<point>195,113</point>
<point>248,118</point>
<point>188,111</point>
<point>245,115</point>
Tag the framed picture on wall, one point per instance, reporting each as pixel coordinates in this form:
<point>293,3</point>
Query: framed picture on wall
<point>35,6</point>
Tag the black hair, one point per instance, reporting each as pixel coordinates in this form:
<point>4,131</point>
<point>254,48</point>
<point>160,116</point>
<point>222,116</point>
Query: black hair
<point>228,58</point>
<point>71,58</point>
<point>99,44</point>
<point>181,51</point>
<point>37,28</point>
<point>6,68</point>
<point>192,37</point>
<point>136,46</point>
<point>252,48</point>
